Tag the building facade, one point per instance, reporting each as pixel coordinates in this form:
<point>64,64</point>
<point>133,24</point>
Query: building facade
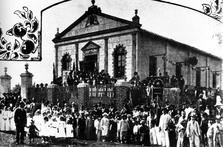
<point>98,41</point>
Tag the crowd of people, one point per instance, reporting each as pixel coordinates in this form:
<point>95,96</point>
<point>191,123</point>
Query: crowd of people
<point>92,78</point>
<point>152,124</point>
<point>101,78</point>
<point>168,125</point>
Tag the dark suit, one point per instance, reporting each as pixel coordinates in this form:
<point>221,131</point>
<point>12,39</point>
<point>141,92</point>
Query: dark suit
<point>74,124</point>
<point>20,122</point>
<point>81,127</point>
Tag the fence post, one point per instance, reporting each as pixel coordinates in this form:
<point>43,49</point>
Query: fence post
<point>83,95</point>
<point>50,93</point>
<point>121,95</point>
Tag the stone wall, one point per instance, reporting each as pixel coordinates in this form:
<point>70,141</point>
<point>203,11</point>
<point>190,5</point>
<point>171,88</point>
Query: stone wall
<point>39,94</point>
<point>126,41</point>
<point>150,46</point>
<point>71,49</point>
<point>79,95</point>
<point>120,96</point>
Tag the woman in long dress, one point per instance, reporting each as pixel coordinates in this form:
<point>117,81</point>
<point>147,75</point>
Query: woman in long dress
<point>97,125</point>
<point>104,127</point>
<point>5,118</point>
<point>10,120</point>
<point>53,126</point>
<point>38,119</point>
<point>61,128</point>
<point>44,133</point>
<point>1,120</point>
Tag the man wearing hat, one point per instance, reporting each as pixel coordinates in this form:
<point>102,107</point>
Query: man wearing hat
<point>193,131</point>
<point>104,126</point>
<point>20,122</point>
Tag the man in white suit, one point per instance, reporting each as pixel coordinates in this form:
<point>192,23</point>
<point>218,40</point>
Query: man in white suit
<point>163,128</point>
<point>193,131</point>
<point>104,126</point>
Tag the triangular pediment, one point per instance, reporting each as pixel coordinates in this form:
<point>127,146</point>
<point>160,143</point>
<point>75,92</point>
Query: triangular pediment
<point>100,23</point>
<point>90,45</point>
<point>92,23</point>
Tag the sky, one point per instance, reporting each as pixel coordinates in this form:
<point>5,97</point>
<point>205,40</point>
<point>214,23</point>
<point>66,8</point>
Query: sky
<point>177,23</point>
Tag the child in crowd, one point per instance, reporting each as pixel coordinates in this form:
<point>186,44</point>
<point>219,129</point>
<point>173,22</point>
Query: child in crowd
<point>33,131</point>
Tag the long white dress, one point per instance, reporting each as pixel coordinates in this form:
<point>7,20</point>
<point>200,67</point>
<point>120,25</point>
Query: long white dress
<point>5,117</point>
<point>69,130</point>
<point>1,122</point>
<point>10,121</point>
<point>44,129</point>
<point>38,119</point>
<point>104,126</point>
<point>61,129</point>
<point>153,136</point>
<point>53,128</point>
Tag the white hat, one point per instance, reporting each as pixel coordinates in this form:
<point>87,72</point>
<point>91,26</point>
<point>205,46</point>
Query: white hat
<point>218,116</point>
<point>105,114</point>
<point>218,101</point>
<point>193,114</point>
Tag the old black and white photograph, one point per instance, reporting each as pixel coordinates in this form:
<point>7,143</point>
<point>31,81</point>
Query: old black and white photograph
<point>111,73</point>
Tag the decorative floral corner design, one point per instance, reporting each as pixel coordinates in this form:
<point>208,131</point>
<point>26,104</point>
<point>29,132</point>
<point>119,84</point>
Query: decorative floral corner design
<point>26,45</point>
<point>214,9</point>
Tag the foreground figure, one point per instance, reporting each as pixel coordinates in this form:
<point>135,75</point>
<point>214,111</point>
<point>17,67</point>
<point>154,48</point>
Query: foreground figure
<point>193,131</point>
<point>20,122</point>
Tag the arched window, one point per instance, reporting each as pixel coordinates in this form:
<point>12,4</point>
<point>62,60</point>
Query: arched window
<point>119,56</point>
<point>66,62</point>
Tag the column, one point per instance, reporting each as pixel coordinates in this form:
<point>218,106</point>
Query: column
<point>106,54</point>
<point>207,72</point>
<point>164,60</point>
<point>189,74</point>
<point>77,55</point>
<point>26,82</point>
<point>56,61</point>
<point>221,74</point>
<point>134,56</point>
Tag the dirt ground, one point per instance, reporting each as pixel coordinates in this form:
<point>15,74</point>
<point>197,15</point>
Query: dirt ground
<point>7,139</point>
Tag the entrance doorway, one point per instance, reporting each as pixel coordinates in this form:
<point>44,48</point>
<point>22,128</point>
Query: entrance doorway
<point>152,66</point>
<point>178,70</point>
<point>90,63</point>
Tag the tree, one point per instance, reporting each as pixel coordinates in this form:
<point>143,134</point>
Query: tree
<point>16,89</point>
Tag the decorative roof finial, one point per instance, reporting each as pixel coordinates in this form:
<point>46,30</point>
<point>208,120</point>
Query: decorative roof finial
<point>26,67</point>
<point>93,2</point>
<point>5,70</point>
<point>136,18</point>
<point>93,9</point>
<point>136,11</point>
